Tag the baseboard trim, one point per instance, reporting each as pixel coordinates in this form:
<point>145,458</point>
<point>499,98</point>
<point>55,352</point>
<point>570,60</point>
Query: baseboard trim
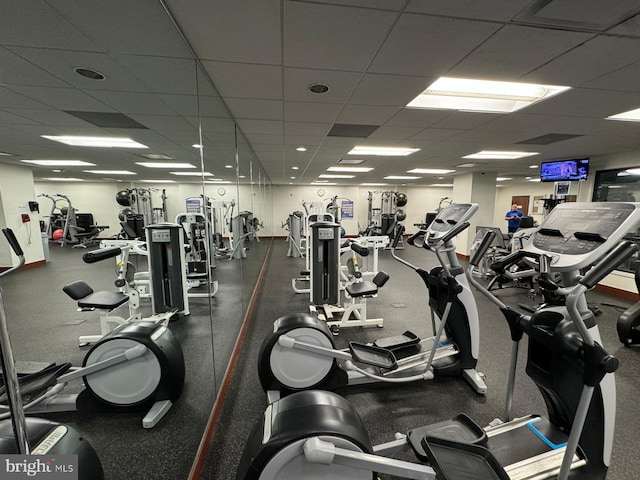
<point>618,291</point>
<point>39,263</point>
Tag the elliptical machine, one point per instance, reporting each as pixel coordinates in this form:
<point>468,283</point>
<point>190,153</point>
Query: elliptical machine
<point>35,436</point>
<point>300,353</point>
<point>319,435</point>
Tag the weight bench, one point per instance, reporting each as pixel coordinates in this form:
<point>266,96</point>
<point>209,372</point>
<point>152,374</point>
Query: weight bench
<point>354,314</point>
<point>104,301</point>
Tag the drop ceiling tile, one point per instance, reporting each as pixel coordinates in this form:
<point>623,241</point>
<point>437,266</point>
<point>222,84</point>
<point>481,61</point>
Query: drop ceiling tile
<point>48,117</point>
<point>247,31</point>
<point>18,71</point>
<point>394,133</point>
<point>597,57</point>
<point>162,122</point>
<point>333,37</point>
<point>515,122</point>
<point>11,99</point>
<point>388,90</point>
<point>628,27</point>
<point>270,127</point>
<point>63,98</point>
<point>624,79</point>
<point>417,35</point>
<point>61,64</point>
<point>131,102</point>
<point>38,24</point>
<point>496,10</point>
<point>10,118</point>
<point>122,26</point>
<point>245,80</point>
<point>418,117</point>
<point>516,50</point>
<point>306,128</point>
<point>189,105</point>
<point>214,124</point>
<point>303,111</point>
<point>436,134</point>
<point>360,114</point>
<point>588,103</point>
<point>465,120</point>
<point>161,75</point>
<point>255,108</point>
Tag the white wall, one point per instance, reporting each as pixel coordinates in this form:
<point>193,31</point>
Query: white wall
<point>16,189</point>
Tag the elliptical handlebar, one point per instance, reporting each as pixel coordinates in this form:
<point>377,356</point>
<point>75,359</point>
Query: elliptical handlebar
<point>486,242</point>
<point>611,260</point>
<point>455,231</point>
<point>399,231</point>
<point>17,249</point>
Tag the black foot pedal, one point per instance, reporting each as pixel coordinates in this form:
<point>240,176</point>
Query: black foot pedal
<point>374,356</point>
<point>398,342</point>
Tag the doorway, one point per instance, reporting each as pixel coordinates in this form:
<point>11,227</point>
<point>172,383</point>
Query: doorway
<point>522,202</point>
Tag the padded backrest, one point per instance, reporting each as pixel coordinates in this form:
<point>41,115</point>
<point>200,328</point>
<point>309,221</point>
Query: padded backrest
<point>380,279</point>
<point>77,290</point>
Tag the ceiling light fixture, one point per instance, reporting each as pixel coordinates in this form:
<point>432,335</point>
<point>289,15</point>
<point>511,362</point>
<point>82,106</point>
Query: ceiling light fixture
<point>323,183</point>
<point>503,179</point>
<point>473,95</point>
<point>59,163</point>
<point>165,165</point>
<point>62,179</point>
<point>633,171</point>
<point>228,166</point>
<point>400,177</point>
<point>327,175</point>
<point>156,181</point>
<point>441,185</point>
<point>434,171</point>
<point>217,181</point>
<point>295,168</point>
<point>110,172</point>
<point>103,142</point>
<point>301,149</point>
<point>467,165</point>
<point>155,156</point>
<point>500,155</point>
<point>373,184</point>
<point>534,180</point>
<point>629,116</point>
<point>193,174</point>
<point>533,166</point>
<point>319,88</point>
<point>7,154</point>
<point>350,169</point>
<point>383,151</point>
<point>197,145</point>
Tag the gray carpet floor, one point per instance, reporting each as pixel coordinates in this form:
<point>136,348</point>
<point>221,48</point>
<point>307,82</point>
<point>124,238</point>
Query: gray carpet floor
<point>387,408</point>
<point>44,326</point>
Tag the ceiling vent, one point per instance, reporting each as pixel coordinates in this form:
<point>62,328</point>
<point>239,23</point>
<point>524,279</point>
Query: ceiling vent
<point>350,161</point>
<point>351,130</point>
<point>548,139</point>
<point>106,119</point>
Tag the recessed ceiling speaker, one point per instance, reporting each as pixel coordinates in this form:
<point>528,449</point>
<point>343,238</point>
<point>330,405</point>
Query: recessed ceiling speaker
<point>89,73</point>
<point>318,88</point>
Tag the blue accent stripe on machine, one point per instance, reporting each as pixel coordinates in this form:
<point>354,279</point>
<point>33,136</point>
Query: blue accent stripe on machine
<point>539,434</point>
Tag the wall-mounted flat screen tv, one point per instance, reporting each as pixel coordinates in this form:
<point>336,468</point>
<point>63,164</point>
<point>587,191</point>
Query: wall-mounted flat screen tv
<point>564,170</point>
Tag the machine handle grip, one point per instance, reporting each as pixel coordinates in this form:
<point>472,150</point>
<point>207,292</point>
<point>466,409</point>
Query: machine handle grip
<point>459,228</point>
<point>13,241</point>
<point>501,265</point>
<point>611,260</point>
<point>399,231</point>
<point>488,238</point>
<point>359,249</point>
<point>412,239</point>
<point>101,254</point>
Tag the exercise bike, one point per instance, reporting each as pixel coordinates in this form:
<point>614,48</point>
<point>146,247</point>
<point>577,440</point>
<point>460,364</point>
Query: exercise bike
<point>35,436</point>
<point>300,353</point>
<point>319,435</point>
<point>135,367</point>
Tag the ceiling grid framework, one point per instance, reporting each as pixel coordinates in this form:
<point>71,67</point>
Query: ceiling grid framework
<point>262,55</point>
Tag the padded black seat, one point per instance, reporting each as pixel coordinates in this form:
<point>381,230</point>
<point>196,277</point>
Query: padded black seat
<point>367,288</point>
<point>86,297</point>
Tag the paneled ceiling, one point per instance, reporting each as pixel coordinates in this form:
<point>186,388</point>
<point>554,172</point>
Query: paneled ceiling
<point>258,59</point>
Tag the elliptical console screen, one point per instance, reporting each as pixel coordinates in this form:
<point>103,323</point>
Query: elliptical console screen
<point>578,229</point>
<point>449,217</point>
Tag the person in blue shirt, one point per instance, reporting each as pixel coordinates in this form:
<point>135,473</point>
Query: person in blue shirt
<point>513,217</point>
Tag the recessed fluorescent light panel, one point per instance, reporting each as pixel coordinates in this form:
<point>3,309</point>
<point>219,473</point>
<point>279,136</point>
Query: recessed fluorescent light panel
<point>434,171</point>
<point>350,169</point>
<point>155,156</point>
<point>62,179</point>
<point>383,151</point>
<point>373,184</point>
<point>7,154</point>
<point>217,181</point>
<point>630,116</point>
<point>323,183</point>
<point>326,175</point>
<point>499,155</point>
<point>482,95</point>
<point>165,165</point>
<point>59,163</point>
<point>192,174</point>
<point>632,171</point>
<point>156,181</point>
<point>467,165</point>
<point>441,185</point>
<point>400,177</point>
<point>104,142</point>
<point>503,179</point>
<point>110,172</point>
<point>533,166</point>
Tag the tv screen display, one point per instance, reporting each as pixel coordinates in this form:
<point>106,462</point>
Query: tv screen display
<point>570,170</point>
